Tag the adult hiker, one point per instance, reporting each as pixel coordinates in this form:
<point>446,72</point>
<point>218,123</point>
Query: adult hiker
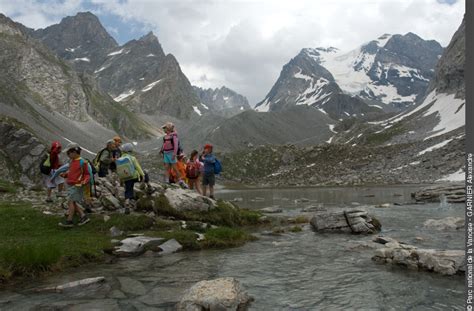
<point>129,171</point>
<point>116,152</point>
<point>105,158</point>
<point>78,177</point>
<point>49,165</point>
<point>193,171</point>
<point>170,150</point>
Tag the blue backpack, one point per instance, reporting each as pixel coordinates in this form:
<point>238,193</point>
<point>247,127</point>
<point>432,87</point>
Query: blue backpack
<point>91,174</point>
<point>217,167</point>
<point>125,168</point>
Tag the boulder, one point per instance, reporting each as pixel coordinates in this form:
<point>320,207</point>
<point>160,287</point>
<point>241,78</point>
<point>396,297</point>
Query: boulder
<point>349,221</point>
<point>271,210</point>
<point>218,294</point>
<point>131,286</point>
<point>135,246</point>
<point>446,262</point>
<point>170,246</point>
<point>185,200</point>
<point>109,202</point>
<point>448,223</point>
<point>453,192</point>
<point>115,232</point>
<point>74,285</point>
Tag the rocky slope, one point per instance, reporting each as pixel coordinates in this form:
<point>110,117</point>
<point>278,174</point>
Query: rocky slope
<point>222,101</point>
<point>138,74</point>
<point>41,90</point>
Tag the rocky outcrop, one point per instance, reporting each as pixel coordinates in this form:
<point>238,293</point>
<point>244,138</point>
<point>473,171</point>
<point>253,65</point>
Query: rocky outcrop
<point>452,193</point>
<point>446,262</point>
<point>219,294</point>
<point>184,200</point>
<point>448,223</point>
<point>222,101</point>
<point>21,152</point>
<point>346,221</point>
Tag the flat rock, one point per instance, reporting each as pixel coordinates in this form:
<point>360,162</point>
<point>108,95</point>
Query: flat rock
<point>115,232</point>
<point>219,294</point>
<point>132,286</point>
<point>186,200</point>
<point>448,223</point>
<point>134,246</point>
<point>170,246</point>
<point>74,285</point>
<point>109,202</point>
<point>348,221</point>
<point>271,210</point>
<point>451,192</point>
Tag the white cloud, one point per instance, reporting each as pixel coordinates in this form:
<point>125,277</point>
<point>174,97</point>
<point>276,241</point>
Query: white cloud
<point>244,44</point>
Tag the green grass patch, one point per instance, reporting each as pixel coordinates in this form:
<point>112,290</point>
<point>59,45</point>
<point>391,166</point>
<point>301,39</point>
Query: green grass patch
<point>7,187</point>
<point>224,237</point>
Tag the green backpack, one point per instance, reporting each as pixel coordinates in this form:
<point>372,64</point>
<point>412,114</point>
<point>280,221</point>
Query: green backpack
<point>45,165</point>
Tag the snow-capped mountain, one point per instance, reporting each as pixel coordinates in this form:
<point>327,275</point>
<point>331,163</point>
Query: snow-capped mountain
<point>394,69</point>
<point>221,101</point>
<point>303,81</point>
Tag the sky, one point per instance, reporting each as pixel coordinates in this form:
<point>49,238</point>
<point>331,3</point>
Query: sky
<point>243,44</point>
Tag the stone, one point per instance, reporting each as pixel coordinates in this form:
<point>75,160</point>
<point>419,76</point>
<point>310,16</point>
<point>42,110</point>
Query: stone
<point>448,223</point>
<point>109,202</point>
<point>106,218</point>
<point>132,286</point>
<point>271,210</point>
<point>452,192</point>
<point>385,205</point>
<point>185,200</point>
<point>115,232</point>
<point>117,294</point>
<point>80,284</point>
<point>170,246</point>
<point>446,262</point>
<point>135,246</point>
<point>347,221</point>
<point>218,294</point>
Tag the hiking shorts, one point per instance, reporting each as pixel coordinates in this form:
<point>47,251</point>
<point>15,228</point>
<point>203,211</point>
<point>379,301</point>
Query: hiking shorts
<point>52,183</point>
<point>168,157</point>
<point>209,180</point>
<point>75,194</point>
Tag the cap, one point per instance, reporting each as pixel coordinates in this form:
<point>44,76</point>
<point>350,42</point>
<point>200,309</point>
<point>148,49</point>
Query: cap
<point>168,125</point>
<point>208,146</point>
<point>73,146</point>
<point>128,147</point>
<point>110,141</point>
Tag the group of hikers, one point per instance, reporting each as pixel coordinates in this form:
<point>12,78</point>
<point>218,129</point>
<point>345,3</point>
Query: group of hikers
<point>118,160</point>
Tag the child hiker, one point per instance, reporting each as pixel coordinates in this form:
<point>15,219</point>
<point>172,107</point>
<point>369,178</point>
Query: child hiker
<point>193,171</point>
<point>54,165</point>
<point>130,172</point>
<point>170,150</point>
<point>209,178</point>
<point>77,178</point>
<point>181,166</point>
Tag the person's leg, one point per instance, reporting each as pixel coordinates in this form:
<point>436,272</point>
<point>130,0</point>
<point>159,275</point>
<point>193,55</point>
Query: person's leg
<point>60,189</point>
<point>191,183</point>
<point>167,172</point>
<point>71,210</point>
<point>48,193</point>
<point>176,171</point>
<point>211,192</point>
<point>198,185</point>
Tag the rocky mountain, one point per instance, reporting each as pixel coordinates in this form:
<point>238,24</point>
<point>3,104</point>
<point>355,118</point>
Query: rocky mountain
<point>80,39</point>
<point>39,89</point>
<point>138,75</point>
<point>222,101</point>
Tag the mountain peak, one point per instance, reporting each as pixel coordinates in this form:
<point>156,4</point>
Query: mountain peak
<point>149,37</point>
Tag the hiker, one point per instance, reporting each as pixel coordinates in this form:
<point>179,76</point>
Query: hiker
<point>104,159</point>
<point>77,178</point>
<point>116,152</point>
<point>209,176</point>
<point>170,150</point>
<point>49,165</point>
<point>193,171</point>
<point>130,172</point>
<point>181,166</point>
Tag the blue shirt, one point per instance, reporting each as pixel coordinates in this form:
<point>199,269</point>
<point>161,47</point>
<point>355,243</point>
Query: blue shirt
<point>209,161</point>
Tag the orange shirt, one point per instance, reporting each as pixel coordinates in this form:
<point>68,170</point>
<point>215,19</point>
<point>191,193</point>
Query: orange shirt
<point>76,174</point>
<point>182,169</point>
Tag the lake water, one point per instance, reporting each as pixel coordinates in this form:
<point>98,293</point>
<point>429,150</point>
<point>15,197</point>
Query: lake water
<point>294,271</point>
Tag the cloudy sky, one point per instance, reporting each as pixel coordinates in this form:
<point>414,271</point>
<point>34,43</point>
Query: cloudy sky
<point>243,44</point>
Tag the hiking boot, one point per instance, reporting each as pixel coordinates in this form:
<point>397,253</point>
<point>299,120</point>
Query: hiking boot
<point>66,224</point>
<point>84,219</point>
<point>212,197</point>
<point>88,210</point>
<point>183,184</point>
<point>49,200</point>
<point>127,211</point>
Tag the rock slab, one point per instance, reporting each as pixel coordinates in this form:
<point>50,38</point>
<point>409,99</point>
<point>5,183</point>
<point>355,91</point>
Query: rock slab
<point>218,294</point>
<point>448,223</point>
<point>348,221</point>
<point>453,192</point>
<point>135,246</point>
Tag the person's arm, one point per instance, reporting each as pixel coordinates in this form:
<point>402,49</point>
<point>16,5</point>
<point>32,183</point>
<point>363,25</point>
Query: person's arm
<point>105,158</point>
<point>61,170</point>
<point>175,145</point>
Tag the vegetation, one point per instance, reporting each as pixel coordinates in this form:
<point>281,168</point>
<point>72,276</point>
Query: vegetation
<point>32,242</point>
<point>7,187</point>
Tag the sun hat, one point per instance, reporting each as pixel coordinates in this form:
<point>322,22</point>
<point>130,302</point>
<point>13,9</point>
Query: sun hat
<point>128,147</point>
<point>73,146</point>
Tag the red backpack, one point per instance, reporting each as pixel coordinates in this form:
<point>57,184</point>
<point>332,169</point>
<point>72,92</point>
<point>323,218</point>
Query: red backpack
<point>192,170</point>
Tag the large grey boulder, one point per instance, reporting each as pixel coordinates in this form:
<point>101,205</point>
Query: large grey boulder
<point>452,192</point>
<point>446,262</point>
<point>185,200</point>
<point>448,223</point>
<point>348,221</point>
<point>219,294</point>
<point>135,246</point>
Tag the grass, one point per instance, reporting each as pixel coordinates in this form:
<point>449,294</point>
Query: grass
<point>33,244</point>
<point>7,187</point>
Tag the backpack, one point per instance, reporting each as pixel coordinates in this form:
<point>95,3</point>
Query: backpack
<point>93,170</point>
<point>125,168</point>
<point>192,170</point>
<point>96,161</point>
<point>180,148</point>
<point>45,165</point>
<point>90,169</point>
<point>217,167</point>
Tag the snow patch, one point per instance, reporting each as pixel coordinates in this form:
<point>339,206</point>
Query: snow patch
<point>298,75</point>
<point>100,69</point>
<point>116,52</point>
<point>204,106</point>
<point>196,110</point>
<point>150,86</point>
<point>82,59</point>
<point>314,93</point>
<point>331,128</point>
<point>459,175</point>
<point>437,146</point>
<point>124,95</point>
<point>150,55</point>
<point>264,107</point>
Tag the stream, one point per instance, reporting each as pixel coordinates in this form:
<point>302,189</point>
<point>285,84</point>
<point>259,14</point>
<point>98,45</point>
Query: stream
<point>293,271</point>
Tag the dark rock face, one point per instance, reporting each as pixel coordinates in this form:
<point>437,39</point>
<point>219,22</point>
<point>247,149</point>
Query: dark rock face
<point>221,101</point>
<point>21,151</point>
<point>80,39</point>
<point>449,77</point>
